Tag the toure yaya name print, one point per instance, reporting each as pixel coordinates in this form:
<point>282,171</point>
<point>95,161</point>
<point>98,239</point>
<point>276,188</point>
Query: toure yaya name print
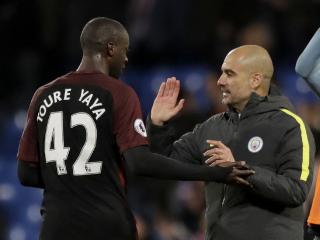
<point>85,97</point>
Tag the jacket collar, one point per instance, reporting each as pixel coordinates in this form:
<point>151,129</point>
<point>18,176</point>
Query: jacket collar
<point>253,102</point>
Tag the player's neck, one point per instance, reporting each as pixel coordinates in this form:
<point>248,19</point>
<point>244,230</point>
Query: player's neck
<point>93,64</point>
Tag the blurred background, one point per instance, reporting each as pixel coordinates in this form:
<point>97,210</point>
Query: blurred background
<point>184,38</point>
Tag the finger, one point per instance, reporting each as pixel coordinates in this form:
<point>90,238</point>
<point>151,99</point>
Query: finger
<point>179,106</point>
<point>172,85</point>
<point>176,89</point>
<point>213,151</point>
<point>161,90</point>
<point>242,172</point>
<point>209,152</point>
<point>211,164</point>
<point>211,160</point>
<point>229,164</point>
<point>211,143</point>
<point>215,143</point>
<point>242,181</point>
<point>240,164</point>
<point>218,151</point>
<point>216,157</point>
<point>167,87</point>
<point>219,162</point>
<point>244,166</point>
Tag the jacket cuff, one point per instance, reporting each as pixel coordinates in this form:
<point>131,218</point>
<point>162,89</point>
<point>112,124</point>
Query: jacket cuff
<point>154,129</point>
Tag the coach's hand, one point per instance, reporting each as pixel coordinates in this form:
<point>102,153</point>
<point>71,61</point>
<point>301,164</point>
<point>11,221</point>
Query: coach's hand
<point>218,154</point>
<point>165,105</point>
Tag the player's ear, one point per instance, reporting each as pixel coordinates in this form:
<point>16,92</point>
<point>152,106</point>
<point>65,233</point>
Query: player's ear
<point>256,80</point>
<point>110,49</point>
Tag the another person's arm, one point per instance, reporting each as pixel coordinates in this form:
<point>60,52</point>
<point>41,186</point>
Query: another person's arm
<point>142,162</point>
<point>308,63</point>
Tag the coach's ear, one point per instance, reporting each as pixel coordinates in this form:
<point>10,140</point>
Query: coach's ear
<point>256,81</point>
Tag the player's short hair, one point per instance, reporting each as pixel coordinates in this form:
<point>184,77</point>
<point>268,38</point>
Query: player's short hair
<point>98,32</point>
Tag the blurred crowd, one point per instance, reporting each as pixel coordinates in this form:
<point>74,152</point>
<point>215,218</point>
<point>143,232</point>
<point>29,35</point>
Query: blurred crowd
<point>40,42</point>
<point>40,38</point>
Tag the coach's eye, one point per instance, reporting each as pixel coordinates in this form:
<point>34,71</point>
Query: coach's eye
<point>229,74</point>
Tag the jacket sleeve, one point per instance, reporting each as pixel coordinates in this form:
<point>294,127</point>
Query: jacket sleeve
<point>161,140</point>
<point>290,184</point>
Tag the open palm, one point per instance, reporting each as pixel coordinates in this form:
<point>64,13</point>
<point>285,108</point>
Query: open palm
<point>165,104</point>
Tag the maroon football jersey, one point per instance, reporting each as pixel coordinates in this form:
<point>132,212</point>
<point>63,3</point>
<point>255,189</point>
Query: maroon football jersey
<point>77,127</point>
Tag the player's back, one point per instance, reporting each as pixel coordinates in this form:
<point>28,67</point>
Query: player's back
<point>79,153</point>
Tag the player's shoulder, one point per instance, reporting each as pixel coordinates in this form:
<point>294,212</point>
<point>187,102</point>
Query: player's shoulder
<point>117,84</point>
<point>41,89</point>
<point>118,88</point>
<point>101,80</point>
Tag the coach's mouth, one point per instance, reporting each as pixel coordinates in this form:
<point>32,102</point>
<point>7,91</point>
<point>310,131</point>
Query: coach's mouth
<point>225,93</point>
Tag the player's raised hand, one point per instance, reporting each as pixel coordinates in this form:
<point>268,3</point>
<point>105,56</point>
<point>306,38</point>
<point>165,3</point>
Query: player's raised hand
<point>166,105</point>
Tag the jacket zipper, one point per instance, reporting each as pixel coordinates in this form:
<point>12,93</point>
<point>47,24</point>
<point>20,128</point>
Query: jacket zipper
<point>235,133</point>
<point>223,194</point>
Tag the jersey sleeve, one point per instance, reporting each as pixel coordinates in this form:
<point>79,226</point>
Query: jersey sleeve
<point>129,127</point>
<point>28,146</point>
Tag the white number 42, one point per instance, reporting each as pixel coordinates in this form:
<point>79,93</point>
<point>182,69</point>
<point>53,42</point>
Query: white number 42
<point>59,153</point>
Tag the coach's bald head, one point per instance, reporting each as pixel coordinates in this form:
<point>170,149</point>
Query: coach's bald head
<point>257,62</point>
<point>245,69</point>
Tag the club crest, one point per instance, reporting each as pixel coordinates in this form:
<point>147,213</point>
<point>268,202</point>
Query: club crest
<point>255,144</point>
<point>140,128</point>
